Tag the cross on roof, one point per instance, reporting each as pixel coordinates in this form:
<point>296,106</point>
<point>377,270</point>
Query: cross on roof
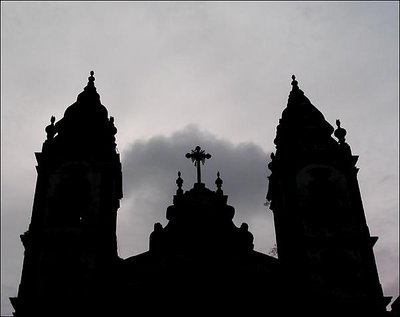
<point>198,155</point>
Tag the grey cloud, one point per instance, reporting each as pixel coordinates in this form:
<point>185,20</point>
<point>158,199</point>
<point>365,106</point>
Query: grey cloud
<point>154,164</point>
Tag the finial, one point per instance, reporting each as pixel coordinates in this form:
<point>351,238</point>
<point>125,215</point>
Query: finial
<point>50,129</point>
<point>271,164</point>
<point>294,83</point>
<point>179,182</point>
<point>340,133</point>
<point>91,78</point>
<point>198,155</point>
<point>218,182</point>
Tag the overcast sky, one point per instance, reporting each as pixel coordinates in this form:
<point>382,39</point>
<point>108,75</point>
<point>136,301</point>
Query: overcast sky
<point>215,74</point>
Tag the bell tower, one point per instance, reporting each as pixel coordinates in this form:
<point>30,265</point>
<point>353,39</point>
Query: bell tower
<point>322,235</point>
<point>71,240</point>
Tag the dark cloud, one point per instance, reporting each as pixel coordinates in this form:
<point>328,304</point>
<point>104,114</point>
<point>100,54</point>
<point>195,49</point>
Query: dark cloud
<point>150,169</point>
<point>155,163</point>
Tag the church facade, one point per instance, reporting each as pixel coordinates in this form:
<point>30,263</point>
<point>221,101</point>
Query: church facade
<point>200,262</point>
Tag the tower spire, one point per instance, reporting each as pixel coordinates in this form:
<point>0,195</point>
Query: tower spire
<point>301,122</point>
<point>296,95</point>
<point>77,195</point>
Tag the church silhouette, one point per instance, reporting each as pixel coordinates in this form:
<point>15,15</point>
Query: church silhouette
<point>200,263</point>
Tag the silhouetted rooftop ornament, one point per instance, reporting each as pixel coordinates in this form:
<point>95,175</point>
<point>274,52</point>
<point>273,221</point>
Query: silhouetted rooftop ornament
<point>179,182</point>
<point>294,83</point>
<point>296,95</point>
<point>50,129</point>
<point>91,80</point>
<point>219,182</point>
<point>198,155</point>
<point>89,94</point>
<point>113,129</point>
<point>340,133</point>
